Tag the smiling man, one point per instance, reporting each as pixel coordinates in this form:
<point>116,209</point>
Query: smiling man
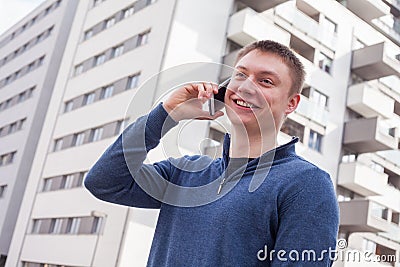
<point>290,218</point>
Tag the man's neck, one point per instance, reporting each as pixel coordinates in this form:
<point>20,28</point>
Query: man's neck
<point>245,144</point>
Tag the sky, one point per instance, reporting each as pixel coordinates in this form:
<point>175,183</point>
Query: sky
<point>12,11</point>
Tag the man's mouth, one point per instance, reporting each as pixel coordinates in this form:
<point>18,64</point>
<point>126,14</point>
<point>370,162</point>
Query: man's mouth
<point>242,103</point>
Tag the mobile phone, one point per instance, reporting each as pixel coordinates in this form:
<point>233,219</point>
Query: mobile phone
<point>216,105</point>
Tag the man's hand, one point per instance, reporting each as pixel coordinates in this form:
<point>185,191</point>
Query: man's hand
<point>186,102</point>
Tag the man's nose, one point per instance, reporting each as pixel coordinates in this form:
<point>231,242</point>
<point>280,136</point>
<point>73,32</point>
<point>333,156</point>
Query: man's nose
<point>247,87</point>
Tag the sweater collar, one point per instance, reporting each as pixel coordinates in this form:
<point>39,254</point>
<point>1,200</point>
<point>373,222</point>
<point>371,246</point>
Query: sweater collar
<point>272,155</point>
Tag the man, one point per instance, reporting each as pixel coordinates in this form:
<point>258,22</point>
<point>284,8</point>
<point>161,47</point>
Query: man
<point>289,218</point>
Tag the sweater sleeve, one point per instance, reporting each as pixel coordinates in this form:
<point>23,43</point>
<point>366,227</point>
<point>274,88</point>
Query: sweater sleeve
<point>119,176</point>
<point>308,224</point>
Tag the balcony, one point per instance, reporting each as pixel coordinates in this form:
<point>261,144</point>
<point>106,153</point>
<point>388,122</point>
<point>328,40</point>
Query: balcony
<point>261,6</point>
<point>361,179</point>
<point>368,9</point>
<point>386,25</point>
<point>369,101</point>
<point>375,61</point>
<point>313,111</point>
<point>247,26</point>
<point>229,60</point>
<point>305,24</point>
<point>394,7</point>
<point>368,135</point>
<point>362,215</point>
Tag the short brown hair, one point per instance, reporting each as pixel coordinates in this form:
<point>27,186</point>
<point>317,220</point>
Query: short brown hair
<point>289,58</point>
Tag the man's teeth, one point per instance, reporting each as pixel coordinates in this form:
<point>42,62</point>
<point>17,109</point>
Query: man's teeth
<point>244,104</point>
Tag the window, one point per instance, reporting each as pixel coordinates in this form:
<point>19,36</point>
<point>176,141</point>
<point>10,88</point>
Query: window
<point>78,139</point>
<point>395,217</point>
<point>40,61</point>
<point>33,20</point>
<point>57,4</point>
<point>376,167</point>
<point>325,63</point>
<point>17,74</point>
<point>46,11</point>
<point>369,245</point>
<point>7,103</point>
<point>109,22</point>
<point>30,67</point>
<point>143,38</point>
<point>78,69</point>
<point>89,98</point>
<point>129,11</point>
<point>319,98</point>
<point>68,106</point>
<point>67,181</point>
<point>88,34</point>
<point>392,131</point>
<point>117,51</point>
<point>72,225</point>
<point>10,158</point>
<point>121,126</point>
<point>99,59</point>
<point>24,47</point>
<point>30,91</point>
<point>96,134</point>
<point>22,96</point>
<point>349,157</point>
<point>314,142</point>
<point>292,128</point>
<point>40,37</point>
<point>96,2</point>
<point>12,128</point>
<point>81,178</point>
<point>2,190</point>
<point>133,81</point>
<point>21,124</point>
<point>96,226</point>
<point>55,226</point>
<point>107,92</point>
<point>36,226</point>
<point>7,80</point>
<point>58,143</point>
<point>47,185</point>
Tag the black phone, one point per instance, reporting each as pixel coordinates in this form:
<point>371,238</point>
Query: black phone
<point>216,105</point>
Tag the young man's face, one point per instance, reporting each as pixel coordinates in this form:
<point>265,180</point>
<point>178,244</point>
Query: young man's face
<point>263,81</point>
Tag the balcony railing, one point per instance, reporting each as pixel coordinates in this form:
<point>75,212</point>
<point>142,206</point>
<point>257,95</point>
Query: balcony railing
<point>247,26</point>
<point>369,135</point>
<point>307,25</point>
<point>313,111</point>
<point>363,215</point>
<point>376,61</point>
<point>369,101</point>
<point>361,179</point>
<point>261,6</point>
<point>368,9</point>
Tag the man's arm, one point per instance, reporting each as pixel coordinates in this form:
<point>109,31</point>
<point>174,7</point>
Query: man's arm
<point>114,177</point>
<point>308,224</point>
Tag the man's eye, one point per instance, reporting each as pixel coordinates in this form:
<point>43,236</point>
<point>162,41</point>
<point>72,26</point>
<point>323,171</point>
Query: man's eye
<point>240,75</point>
<point>267,81</point>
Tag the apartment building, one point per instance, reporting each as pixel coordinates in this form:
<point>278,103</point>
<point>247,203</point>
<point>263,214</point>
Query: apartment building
<point>30,54</point>
<point>122,57</point>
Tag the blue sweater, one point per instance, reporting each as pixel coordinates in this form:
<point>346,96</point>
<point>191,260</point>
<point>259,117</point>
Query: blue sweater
<point>276,202</point>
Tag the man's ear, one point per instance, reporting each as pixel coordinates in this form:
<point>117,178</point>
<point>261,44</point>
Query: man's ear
<point>292,104</point>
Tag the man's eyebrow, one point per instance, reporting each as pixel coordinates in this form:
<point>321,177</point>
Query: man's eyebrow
<point>267,72</point>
